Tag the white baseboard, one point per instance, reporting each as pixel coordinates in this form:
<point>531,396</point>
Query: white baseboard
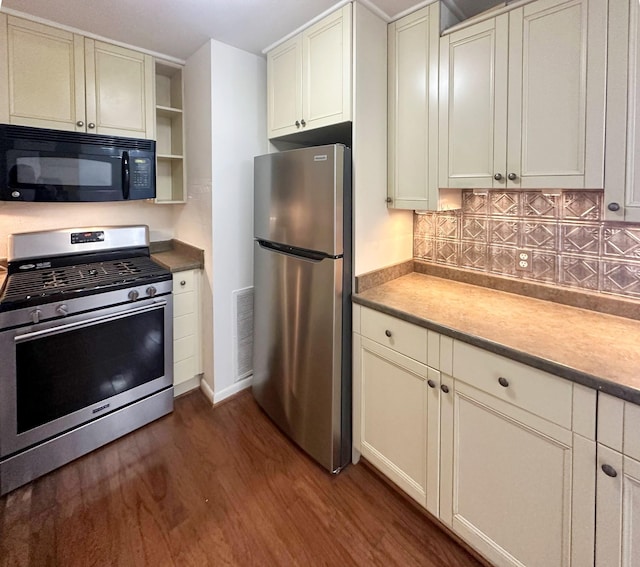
<point>206,390</point>
<point>233,389</point>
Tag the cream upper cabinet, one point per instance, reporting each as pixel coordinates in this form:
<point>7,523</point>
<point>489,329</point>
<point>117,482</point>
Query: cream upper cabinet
<point>413,109</point>
<point>56,79</point>
<point>309,77</point>
<point>119,91</point>
<point>618,495</point>
<point>522,98</point>
<point>42,71</point>
<point>622,168</point>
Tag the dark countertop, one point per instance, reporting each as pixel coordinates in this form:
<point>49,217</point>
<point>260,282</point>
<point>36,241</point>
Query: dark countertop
<point>598,350</point>
<point>177,256</point>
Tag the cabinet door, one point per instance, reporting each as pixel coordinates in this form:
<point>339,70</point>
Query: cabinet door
<point>391,403</point>
<point>473,105</point>
<point>557,51</point>
<point>42,72</point>
<point>413,109</point>
<point>284,87</point>
<point>622,171</point>
<point>618,510</point>
<point>326,70</point>
<point>511,489</point>
<point>119,91</point>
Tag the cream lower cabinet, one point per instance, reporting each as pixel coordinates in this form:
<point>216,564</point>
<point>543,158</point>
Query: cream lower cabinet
<point>186,331</point>
<point>618,493</point>
<point>52,78</point>
<point>522,98</point>
<point>518,453</point>
<point>500,452</point>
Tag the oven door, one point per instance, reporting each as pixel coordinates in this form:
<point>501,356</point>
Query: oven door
<point>61,374</point>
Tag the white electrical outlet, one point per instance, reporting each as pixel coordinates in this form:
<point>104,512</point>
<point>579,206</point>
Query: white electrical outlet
<point>523,260</point>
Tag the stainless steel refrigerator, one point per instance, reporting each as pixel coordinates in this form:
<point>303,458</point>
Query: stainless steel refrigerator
<point>302,312</point>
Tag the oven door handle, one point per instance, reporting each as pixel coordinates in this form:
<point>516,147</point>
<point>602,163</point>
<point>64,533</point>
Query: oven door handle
<point>157,304</point>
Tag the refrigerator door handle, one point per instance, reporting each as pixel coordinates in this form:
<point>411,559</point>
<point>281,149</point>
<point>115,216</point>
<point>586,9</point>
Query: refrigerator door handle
<point>311,255</point>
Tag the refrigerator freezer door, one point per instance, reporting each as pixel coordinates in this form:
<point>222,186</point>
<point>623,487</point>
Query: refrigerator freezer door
<point>298,350</point>
<point>298,198</point>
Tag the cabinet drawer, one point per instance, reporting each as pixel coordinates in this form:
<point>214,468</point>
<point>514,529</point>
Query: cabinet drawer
<point>183,304</point>
<point>184,326</point>
<point>184,370</point>
<point>405,338</point>
<point>536,391</point>
<point>184,281</point>
<point>184,348</point>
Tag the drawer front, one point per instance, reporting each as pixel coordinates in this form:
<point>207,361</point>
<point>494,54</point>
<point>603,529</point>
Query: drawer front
<point>403,337</point>
<point>184,326</point>
<point>184,281</point>
<point>184,370</point>
<point>183,304</point>
<point>536,391</point>
<point>184,348</point>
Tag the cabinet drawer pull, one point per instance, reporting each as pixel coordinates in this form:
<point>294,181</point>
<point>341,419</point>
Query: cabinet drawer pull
<point>498,176</point>
<point>80,123</point>
<point>303,123</point>
<point>609,471</point>
<point>183,283</point>
<point>388,333</point>
<point>613,207</point>
<point>445,388</point>
<point>503,382</point>
<point>91,125</point>
<point>297,124</point>
<point>512,177</point>
<point>431,384</point>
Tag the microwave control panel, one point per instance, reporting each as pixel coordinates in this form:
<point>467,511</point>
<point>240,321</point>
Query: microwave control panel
<point>140,172</point>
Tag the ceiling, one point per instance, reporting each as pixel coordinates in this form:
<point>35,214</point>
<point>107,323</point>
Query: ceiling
<point>179,28</point>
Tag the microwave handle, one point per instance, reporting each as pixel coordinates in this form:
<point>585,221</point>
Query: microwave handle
<point>125,175</point>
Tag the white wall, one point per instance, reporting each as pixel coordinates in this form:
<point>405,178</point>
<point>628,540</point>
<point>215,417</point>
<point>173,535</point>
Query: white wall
<point>28,217</point>
<point>381,236</point>
<point>239,106</point>
<point>193,222</point>
<point>226,127</point>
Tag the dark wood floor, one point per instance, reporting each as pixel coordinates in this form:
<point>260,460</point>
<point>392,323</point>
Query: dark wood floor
<point>215,486</point>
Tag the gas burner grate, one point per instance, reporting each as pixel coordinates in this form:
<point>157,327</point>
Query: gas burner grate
<point>54,279</point>
<point>79,278</point>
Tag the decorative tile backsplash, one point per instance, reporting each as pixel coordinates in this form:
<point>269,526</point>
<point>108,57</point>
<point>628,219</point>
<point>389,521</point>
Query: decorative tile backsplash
<point>570,244</point>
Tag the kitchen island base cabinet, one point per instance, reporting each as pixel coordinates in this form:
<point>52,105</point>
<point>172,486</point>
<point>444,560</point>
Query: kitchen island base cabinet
<point>186,331</point>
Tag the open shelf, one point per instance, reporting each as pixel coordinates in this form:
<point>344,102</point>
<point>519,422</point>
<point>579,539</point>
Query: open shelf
<point>170,167</point>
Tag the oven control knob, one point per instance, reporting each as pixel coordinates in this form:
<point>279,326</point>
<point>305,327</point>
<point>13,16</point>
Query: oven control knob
<point>35,316</point>
<point>62,310</point>
<point>151,291</point>
<point>133,294</point>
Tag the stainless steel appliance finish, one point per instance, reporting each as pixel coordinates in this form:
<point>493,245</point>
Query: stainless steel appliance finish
<point>302,316</point>
<point>84,335</point>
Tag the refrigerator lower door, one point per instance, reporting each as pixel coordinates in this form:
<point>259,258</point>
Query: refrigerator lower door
<point>298,351</point>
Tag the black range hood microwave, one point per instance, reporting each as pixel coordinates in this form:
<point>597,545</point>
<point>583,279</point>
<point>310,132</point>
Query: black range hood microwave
<point>38,164</point>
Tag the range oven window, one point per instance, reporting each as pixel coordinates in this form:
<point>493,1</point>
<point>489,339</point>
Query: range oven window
<point>64,372</point>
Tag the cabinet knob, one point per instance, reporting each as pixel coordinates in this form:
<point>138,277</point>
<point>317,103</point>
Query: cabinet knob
<point>388,333</point>
<point>183,283</point>
<point>444,388</point>
<point>512,177</point>
<point>613,207</point>
<point>303,122</point>
<point>297,124</point>
<point>91,125</point>
<point>503,382</point>
<point>609,471</point>
<point>80,123</point>
<point>389,200</point>
<point>431,384</point>
<point>498,176</point>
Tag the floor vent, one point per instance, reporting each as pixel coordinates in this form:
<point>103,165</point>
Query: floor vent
<point>243,333</point>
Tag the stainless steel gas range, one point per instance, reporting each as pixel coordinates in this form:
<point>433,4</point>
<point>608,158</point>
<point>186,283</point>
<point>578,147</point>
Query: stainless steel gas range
<point>85,345</point>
